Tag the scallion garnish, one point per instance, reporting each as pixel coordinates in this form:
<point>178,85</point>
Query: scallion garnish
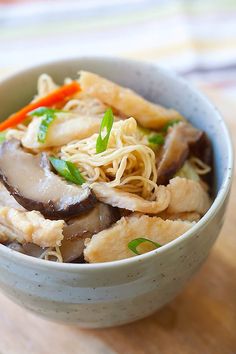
<point>2,137</point>
<point>157,139</point>
<point>105,128</point>
<point>170,124</point>
<point>68,170</point>
<point>132,245</point>
<point>49,115</point>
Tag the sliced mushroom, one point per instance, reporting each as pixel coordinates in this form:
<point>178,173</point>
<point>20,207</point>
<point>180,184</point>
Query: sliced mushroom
<point>27,248</point>
<point>15,246</point>
<point>78,229</point>
<point>202,149</point>
<point>112,244</point>
<point>31,182</point>
<point>180,138</point>
<point>72,250</point>
<point>97,219</point>
<point>33,250</point>
<point>7,200</point>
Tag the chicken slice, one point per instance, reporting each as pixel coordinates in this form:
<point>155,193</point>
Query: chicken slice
<point>188,216</point>
<point>29,226</point>
<point>85,105</point>
<point>187,196</point>
<point>112,244</point>
<point>126,101</point>
<point>64,129</point>
<point>130,201</point>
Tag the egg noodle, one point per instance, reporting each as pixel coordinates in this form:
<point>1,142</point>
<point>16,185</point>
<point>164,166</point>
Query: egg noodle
<point>52,253</point>
<point>128,163</point>
<point>199,166</point>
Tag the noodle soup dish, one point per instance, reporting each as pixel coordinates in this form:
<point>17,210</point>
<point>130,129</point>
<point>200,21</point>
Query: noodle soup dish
<point>103,174</point>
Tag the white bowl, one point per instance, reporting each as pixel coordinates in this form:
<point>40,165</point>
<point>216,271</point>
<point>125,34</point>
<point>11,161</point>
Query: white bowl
<point>108,294</point>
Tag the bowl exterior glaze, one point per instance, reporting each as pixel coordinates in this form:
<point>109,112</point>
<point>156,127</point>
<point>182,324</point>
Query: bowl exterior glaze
<point>115,293</point>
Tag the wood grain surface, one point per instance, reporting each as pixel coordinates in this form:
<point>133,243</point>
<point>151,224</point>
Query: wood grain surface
<point>202,320</point>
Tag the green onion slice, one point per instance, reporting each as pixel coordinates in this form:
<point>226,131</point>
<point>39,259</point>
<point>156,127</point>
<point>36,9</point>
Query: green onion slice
<point>49,115</point>
<point>2,137</point>
<point>157,139</point>
<point>106,125</point>
<point>132,245</point>
<point>68,170</point>
<point>170,124</point>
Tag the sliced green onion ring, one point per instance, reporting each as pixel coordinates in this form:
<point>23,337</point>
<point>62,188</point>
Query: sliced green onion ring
<point>170,124</point>
<point>49,116</point>
<point>132,245</point>
<point>68,170</point>
<point>157,139</point>
<point>2,136</point>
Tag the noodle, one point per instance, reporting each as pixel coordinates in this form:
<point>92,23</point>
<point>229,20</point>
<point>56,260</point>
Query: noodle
<point>51,252</point>
<point>128,163</point>
<point>200,167</point>
<point>45,85</point>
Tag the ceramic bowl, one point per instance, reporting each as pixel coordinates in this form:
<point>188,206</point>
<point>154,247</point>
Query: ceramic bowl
<point>108,294</point>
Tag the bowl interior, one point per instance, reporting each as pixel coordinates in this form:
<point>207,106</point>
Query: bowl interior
<point>154,83</point>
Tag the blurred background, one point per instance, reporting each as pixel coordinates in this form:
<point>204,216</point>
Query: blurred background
<point>196,38</point>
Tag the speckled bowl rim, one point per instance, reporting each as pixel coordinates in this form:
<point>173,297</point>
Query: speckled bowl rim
<point>205,220</point>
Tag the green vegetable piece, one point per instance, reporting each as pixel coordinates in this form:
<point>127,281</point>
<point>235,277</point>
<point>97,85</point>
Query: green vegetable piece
<point>106,125</point>
<point>132,245</point>
<point>43,128</point>
<point>68,170</point>
<point>2,137</point>
<point>157,139</point>
<point>50,115</point>
<point>170,124</point>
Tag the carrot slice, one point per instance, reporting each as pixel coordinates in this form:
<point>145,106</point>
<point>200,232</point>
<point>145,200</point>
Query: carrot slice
<point>52,98</point>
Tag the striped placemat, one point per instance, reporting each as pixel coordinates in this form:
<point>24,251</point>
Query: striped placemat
<point>196,38</point>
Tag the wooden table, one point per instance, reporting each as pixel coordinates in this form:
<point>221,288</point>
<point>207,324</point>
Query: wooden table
<point>202,320</point>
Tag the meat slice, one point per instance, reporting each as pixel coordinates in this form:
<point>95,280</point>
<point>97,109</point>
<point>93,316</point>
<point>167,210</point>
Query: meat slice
<point>187,216</point>
<point>67,128</point>
<point>187,196</point>
<point>112,244</point>
<point>180,138</point>
<point>24,226</point>
<point>126,101</point>
<point>126,200</point>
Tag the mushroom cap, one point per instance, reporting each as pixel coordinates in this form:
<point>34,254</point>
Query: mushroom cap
<point>30,181</point>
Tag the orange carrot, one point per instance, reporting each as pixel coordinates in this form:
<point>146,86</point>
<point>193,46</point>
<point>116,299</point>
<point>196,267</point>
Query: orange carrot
<point>52,98</point>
